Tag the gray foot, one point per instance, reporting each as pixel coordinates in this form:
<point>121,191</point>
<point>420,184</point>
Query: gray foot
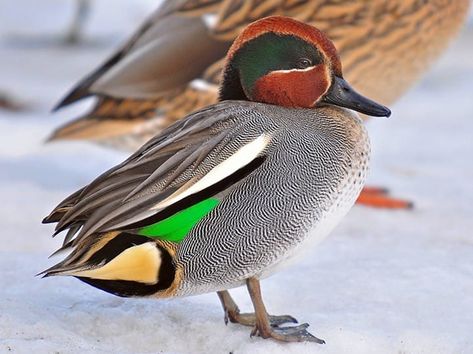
<point>288,334</point>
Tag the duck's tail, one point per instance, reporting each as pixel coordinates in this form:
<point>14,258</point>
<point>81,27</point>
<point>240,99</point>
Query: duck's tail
<point>121,263</point>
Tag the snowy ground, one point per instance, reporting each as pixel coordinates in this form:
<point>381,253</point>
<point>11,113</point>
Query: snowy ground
<point>384,282</point>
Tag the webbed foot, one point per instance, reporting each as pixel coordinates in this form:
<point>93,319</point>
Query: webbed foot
<point>379,198</point>
<point>287,334</point>
<point>264,325</point>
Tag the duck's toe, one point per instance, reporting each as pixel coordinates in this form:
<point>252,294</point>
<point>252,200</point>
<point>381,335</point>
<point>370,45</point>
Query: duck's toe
<point>288,334</point>
<point>276,321</point>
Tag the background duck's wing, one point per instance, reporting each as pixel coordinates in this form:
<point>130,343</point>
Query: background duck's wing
<point>148,77</point>
<point>163,55</point>
<point>138,120</point>
<point>193,160</point>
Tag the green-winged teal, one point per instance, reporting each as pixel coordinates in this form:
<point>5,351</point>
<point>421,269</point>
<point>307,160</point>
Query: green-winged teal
<point>227,195</point>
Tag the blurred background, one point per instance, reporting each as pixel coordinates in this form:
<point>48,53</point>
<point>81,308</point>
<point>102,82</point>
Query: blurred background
<point>384,281</point>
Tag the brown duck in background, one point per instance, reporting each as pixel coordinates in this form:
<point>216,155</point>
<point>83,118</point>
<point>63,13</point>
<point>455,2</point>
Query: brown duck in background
<point>172,65</point>
<point>8,103</point>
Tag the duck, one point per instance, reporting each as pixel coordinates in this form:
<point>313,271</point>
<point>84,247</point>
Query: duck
<point>231,193</point>
<point>173,64</point>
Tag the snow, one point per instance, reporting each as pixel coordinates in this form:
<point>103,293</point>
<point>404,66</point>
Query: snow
<point>383,282</point>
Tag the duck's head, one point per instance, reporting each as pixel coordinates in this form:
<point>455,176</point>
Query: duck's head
<point>281,61</point>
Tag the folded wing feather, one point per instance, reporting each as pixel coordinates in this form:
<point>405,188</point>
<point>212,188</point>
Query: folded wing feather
<point>189,157</point>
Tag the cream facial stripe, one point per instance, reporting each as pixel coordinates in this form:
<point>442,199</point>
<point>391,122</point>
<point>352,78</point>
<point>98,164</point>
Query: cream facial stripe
<point>138,263</point>
<point>239,159</point>
<point>293,70</point>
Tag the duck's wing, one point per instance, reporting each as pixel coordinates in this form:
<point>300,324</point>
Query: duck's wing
<point>197,158</point>
<point>147,78</point>
<point>173,47</point>
<point>111,119</point>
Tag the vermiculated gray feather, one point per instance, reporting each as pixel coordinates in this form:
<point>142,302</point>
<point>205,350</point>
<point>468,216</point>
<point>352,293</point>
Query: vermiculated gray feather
<point>314,168</point>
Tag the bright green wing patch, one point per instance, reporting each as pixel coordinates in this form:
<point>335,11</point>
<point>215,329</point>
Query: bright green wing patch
<point>177,226</point>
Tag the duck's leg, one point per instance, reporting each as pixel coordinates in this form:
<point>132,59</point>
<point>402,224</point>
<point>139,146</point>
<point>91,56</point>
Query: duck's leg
<point>379,198</point>
<point>263,327</point>
<point>232,313</point>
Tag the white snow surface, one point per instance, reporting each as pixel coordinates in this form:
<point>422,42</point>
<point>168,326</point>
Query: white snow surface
<point>383,282</point>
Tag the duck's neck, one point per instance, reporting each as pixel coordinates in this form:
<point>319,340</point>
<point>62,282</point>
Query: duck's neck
<point>231,88</point>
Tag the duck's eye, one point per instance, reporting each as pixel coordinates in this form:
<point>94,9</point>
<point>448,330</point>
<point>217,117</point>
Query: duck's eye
<point>303,63</point>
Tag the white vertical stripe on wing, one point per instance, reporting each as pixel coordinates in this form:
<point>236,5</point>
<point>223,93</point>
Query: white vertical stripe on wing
<point>239,159</point>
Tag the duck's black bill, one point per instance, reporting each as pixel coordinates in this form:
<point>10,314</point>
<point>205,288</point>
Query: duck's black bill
<point>343,95</point>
